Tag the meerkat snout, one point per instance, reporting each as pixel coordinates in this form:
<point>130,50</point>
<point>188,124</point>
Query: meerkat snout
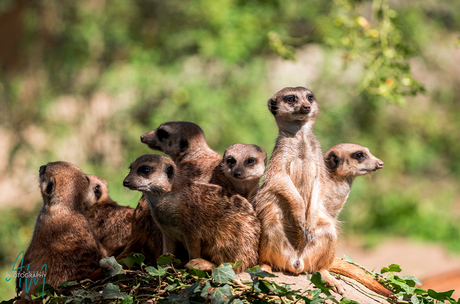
<point>42,170</point>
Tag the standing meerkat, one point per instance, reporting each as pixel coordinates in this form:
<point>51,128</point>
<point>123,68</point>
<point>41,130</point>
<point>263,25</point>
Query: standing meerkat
<point>297,234</point>
<point>345,162</point>
<point>212,227</point>
<point>62,238</point>
<point>110,222</point>
<point>241,169</point>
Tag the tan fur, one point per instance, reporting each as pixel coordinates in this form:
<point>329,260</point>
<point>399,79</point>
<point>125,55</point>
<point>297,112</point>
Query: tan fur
<point>63,238</point>
<point>297,234</point>
<point>345,162</point>
<point>241,169</point>
<point>211,226</point>
<point>110,222</point>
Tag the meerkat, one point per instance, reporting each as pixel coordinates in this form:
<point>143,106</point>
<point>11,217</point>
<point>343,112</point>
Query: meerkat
<point>110,222</point>
<point>212,227</point>
<point>240,169</point>
<point>62,237</point>
<point>146,236</point>
<point>185,143</point>
<point>297,234</point>
<point>345,162</point>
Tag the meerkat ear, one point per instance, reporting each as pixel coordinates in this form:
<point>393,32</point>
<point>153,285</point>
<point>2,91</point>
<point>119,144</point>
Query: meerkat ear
<point>170,171</point>
<point>98,191</point>
<point>332,161</point>
<point>183,145</point>
<point>272,106</point>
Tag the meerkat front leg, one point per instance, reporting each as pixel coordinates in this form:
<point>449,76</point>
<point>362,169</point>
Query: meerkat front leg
<point>169,245</point>
<point>194,253</point>
<point>295,203</point>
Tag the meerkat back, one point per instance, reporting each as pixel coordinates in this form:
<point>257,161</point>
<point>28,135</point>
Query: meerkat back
<point>111,222</point>
<point>62,238</point>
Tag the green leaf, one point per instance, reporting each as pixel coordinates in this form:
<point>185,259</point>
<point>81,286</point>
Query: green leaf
<point>175,299</point>
<point>127,262</point>
<point>414,299</point>
<point>197,272</point>
<point>57,300</point>
<point>110,267</point>
<point>128,300</point>
<point>346,300</point>
<point>112,291</point>
<point>391,268</point>
<point>138,258</point>
<point>48,290</point>
<point>206,289</point>
<point>237,264</point>
<point>256,272</point>
<point>67,284</point>
<point>441,296</point>
<point>319,283</point>
<point>221,294</point>
<point>348,259</point>
<point>223,273</point>
<point>165,259</point>
<point>158,272</point>
<point>411,280</point>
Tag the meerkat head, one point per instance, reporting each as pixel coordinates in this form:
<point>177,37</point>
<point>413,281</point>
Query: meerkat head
<point>293,104</point>
<point>151,173</point>
<point>175,139</point>
<point>244,162</point>
<point>62,183</point>
<point>98,191</point>
<point>351,160</point>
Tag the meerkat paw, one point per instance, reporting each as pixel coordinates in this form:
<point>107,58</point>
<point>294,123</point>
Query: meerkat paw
<point>308,232</point>
<point>336,285</point>
<point>200,264</point>
<point>266,267</point>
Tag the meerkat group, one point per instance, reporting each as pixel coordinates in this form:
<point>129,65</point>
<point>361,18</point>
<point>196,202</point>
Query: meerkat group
<point>208,209</point>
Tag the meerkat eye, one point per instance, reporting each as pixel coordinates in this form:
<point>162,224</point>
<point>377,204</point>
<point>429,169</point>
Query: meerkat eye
<point>251,161</point>
<point>310,98</point>
<point>144,170</point>
<point>359,156</point>
<point>162,134</point>
<point>170,172</point>
<point>290,99</point>
<point>231,161</point>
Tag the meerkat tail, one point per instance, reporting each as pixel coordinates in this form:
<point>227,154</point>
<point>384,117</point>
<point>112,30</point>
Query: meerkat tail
<point>354,272</point>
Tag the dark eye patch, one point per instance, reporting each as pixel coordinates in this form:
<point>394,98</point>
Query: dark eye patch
<point>290,99</point>
<point>251,161</point>
<point>231,161</point>
<point>162,134</point>
<point>170,171</point>
<point>143,170</point>
<point>49,188</point>
<point>359,156</point>
<point>98,191</point>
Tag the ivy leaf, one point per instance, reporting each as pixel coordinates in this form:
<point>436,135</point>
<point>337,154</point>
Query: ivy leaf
<point>237,264</point>
<point>175,299</point>
<point>256,272</point>
<point>128,300</point>
<point>158,272</point>
<point>55,300</point>
<point>165,259</point>
<point>414,299</point>
<point>138,258</point>
<point>346,300</point>
<point>127,262</point>
<point>112,291</point>
<point>319,283</point>
<point>221,294</point>
<point>411,280</point>
<point>197,272</point>
<point>223,273</point>
<point>441,296</point>
<point>48,290</point>
<point>67,284</point>
<point>348,259</point>
<point>110,267</point>
<point>391,268</point>
<point>206,289</point>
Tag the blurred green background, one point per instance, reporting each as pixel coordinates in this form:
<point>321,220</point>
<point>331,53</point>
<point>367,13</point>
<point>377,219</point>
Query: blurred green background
<point>81,81</point>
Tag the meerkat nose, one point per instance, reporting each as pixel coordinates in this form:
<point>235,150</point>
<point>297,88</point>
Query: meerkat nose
<point>42,170</point>
<point>126,183</point>
<point>306,108</point>
<point>380,165</point>
<point>237,174</point>
<point>142,138</point>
